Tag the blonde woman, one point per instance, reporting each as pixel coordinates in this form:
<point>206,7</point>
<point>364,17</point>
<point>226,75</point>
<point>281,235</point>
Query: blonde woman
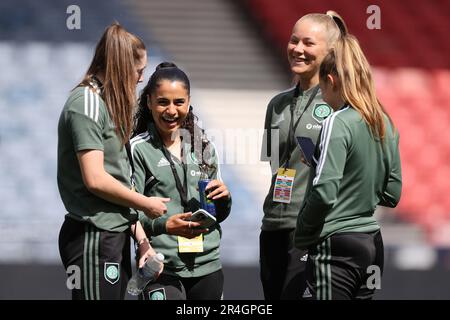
<point>358,168</point>
<point>299,111</point>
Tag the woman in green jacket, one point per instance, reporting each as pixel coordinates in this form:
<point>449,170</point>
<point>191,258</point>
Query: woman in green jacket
<point>358,167</point>
<point>299,111</point>
<point>93,171</point>
<point>171,154</point>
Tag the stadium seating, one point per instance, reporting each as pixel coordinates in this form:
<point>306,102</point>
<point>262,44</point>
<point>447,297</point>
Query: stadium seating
<point>406,28</point>
<point>41,61</point>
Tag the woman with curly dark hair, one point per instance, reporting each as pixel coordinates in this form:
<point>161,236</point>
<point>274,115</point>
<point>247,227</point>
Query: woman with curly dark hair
<point>171,154</point>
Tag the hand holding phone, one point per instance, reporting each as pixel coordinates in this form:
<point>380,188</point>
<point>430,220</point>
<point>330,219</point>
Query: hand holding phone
<point>202,216</point>
<point>307,147</point>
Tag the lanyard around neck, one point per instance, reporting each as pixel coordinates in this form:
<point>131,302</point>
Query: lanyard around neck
<point>292,126</point>
<point>182,188</point>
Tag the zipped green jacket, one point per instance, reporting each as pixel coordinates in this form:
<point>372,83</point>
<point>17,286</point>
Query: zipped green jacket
<point>354,173</point>
<point>281,216</point>
<point>154,178</point>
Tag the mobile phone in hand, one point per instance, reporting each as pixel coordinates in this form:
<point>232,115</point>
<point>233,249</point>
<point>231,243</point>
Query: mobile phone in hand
<point>307,148</point>
<point>204,217</point>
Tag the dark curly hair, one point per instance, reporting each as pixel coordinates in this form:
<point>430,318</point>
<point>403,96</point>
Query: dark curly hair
<point>169,71</point>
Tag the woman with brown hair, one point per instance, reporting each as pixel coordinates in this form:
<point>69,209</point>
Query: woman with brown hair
<point>94,171</point>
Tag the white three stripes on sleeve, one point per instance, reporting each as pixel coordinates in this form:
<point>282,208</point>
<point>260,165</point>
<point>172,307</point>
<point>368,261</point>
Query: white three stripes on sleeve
<point>145,136</point>
<point>133,142</point>
<point>324,141</point>
<point>91,104</point>
<point>97,107</point>
<point>86,93</point>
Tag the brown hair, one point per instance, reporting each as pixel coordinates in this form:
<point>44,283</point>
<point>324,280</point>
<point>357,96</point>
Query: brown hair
<point>347,62</point>
<point>115,57</point>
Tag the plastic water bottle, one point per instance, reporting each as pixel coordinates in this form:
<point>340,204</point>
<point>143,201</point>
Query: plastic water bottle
<point>145,274</point>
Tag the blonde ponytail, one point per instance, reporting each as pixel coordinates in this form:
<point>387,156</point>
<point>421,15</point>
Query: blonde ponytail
<point>347,62</point>
<point>337,19</point>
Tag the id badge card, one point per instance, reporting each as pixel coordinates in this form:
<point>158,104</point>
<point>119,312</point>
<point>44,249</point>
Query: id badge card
<point>284,183</point>
<point>186,245</point>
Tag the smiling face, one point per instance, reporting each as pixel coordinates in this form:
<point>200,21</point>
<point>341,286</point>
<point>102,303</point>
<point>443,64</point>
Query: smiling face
<point>169,105</point>
<point>306,48</point>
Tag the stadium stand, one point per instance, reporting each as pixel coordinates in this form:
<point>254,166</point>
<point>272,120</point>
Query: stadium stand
<point>41,61</point>
<point>405,27</point>
<point>40,64</point>
<point>233,76</point>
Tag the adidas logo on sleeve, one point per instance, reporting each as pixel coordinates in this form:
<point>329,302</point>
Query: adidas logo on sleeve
<point>163,162</point>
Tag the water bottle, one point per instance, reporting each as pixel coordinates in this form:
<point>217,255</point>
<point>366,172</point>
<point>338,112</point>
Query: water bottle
<point>145,274</point>
<point>205,203</point>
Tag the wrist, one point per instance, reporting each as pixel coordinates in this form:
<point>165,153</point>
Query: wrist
<point>141,202</point>
<point>142,247</point>
<point>143,240</point>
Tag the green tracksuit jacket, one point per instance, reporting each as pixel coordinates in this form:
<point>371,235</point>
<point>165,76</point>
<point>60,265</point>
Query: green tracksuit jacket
<point>354,174</point>
<point>154,178</point>
<point>282,216</point>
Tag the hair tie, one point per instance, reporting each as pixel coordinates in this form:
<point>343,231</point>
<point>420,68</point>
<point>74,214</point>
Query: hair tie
<point>339,23</point>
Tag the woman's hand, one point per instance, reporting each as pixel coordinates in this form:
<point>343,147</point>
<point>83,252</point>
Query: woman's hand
<point>177,225</point>
<point>145,251</point>
<point>218,190</point>
<point>155,207</point>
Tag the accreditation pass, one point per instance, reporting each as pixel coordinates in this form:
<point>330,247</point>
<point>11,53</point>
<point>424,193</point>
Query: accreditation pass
<point>284,182</point>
